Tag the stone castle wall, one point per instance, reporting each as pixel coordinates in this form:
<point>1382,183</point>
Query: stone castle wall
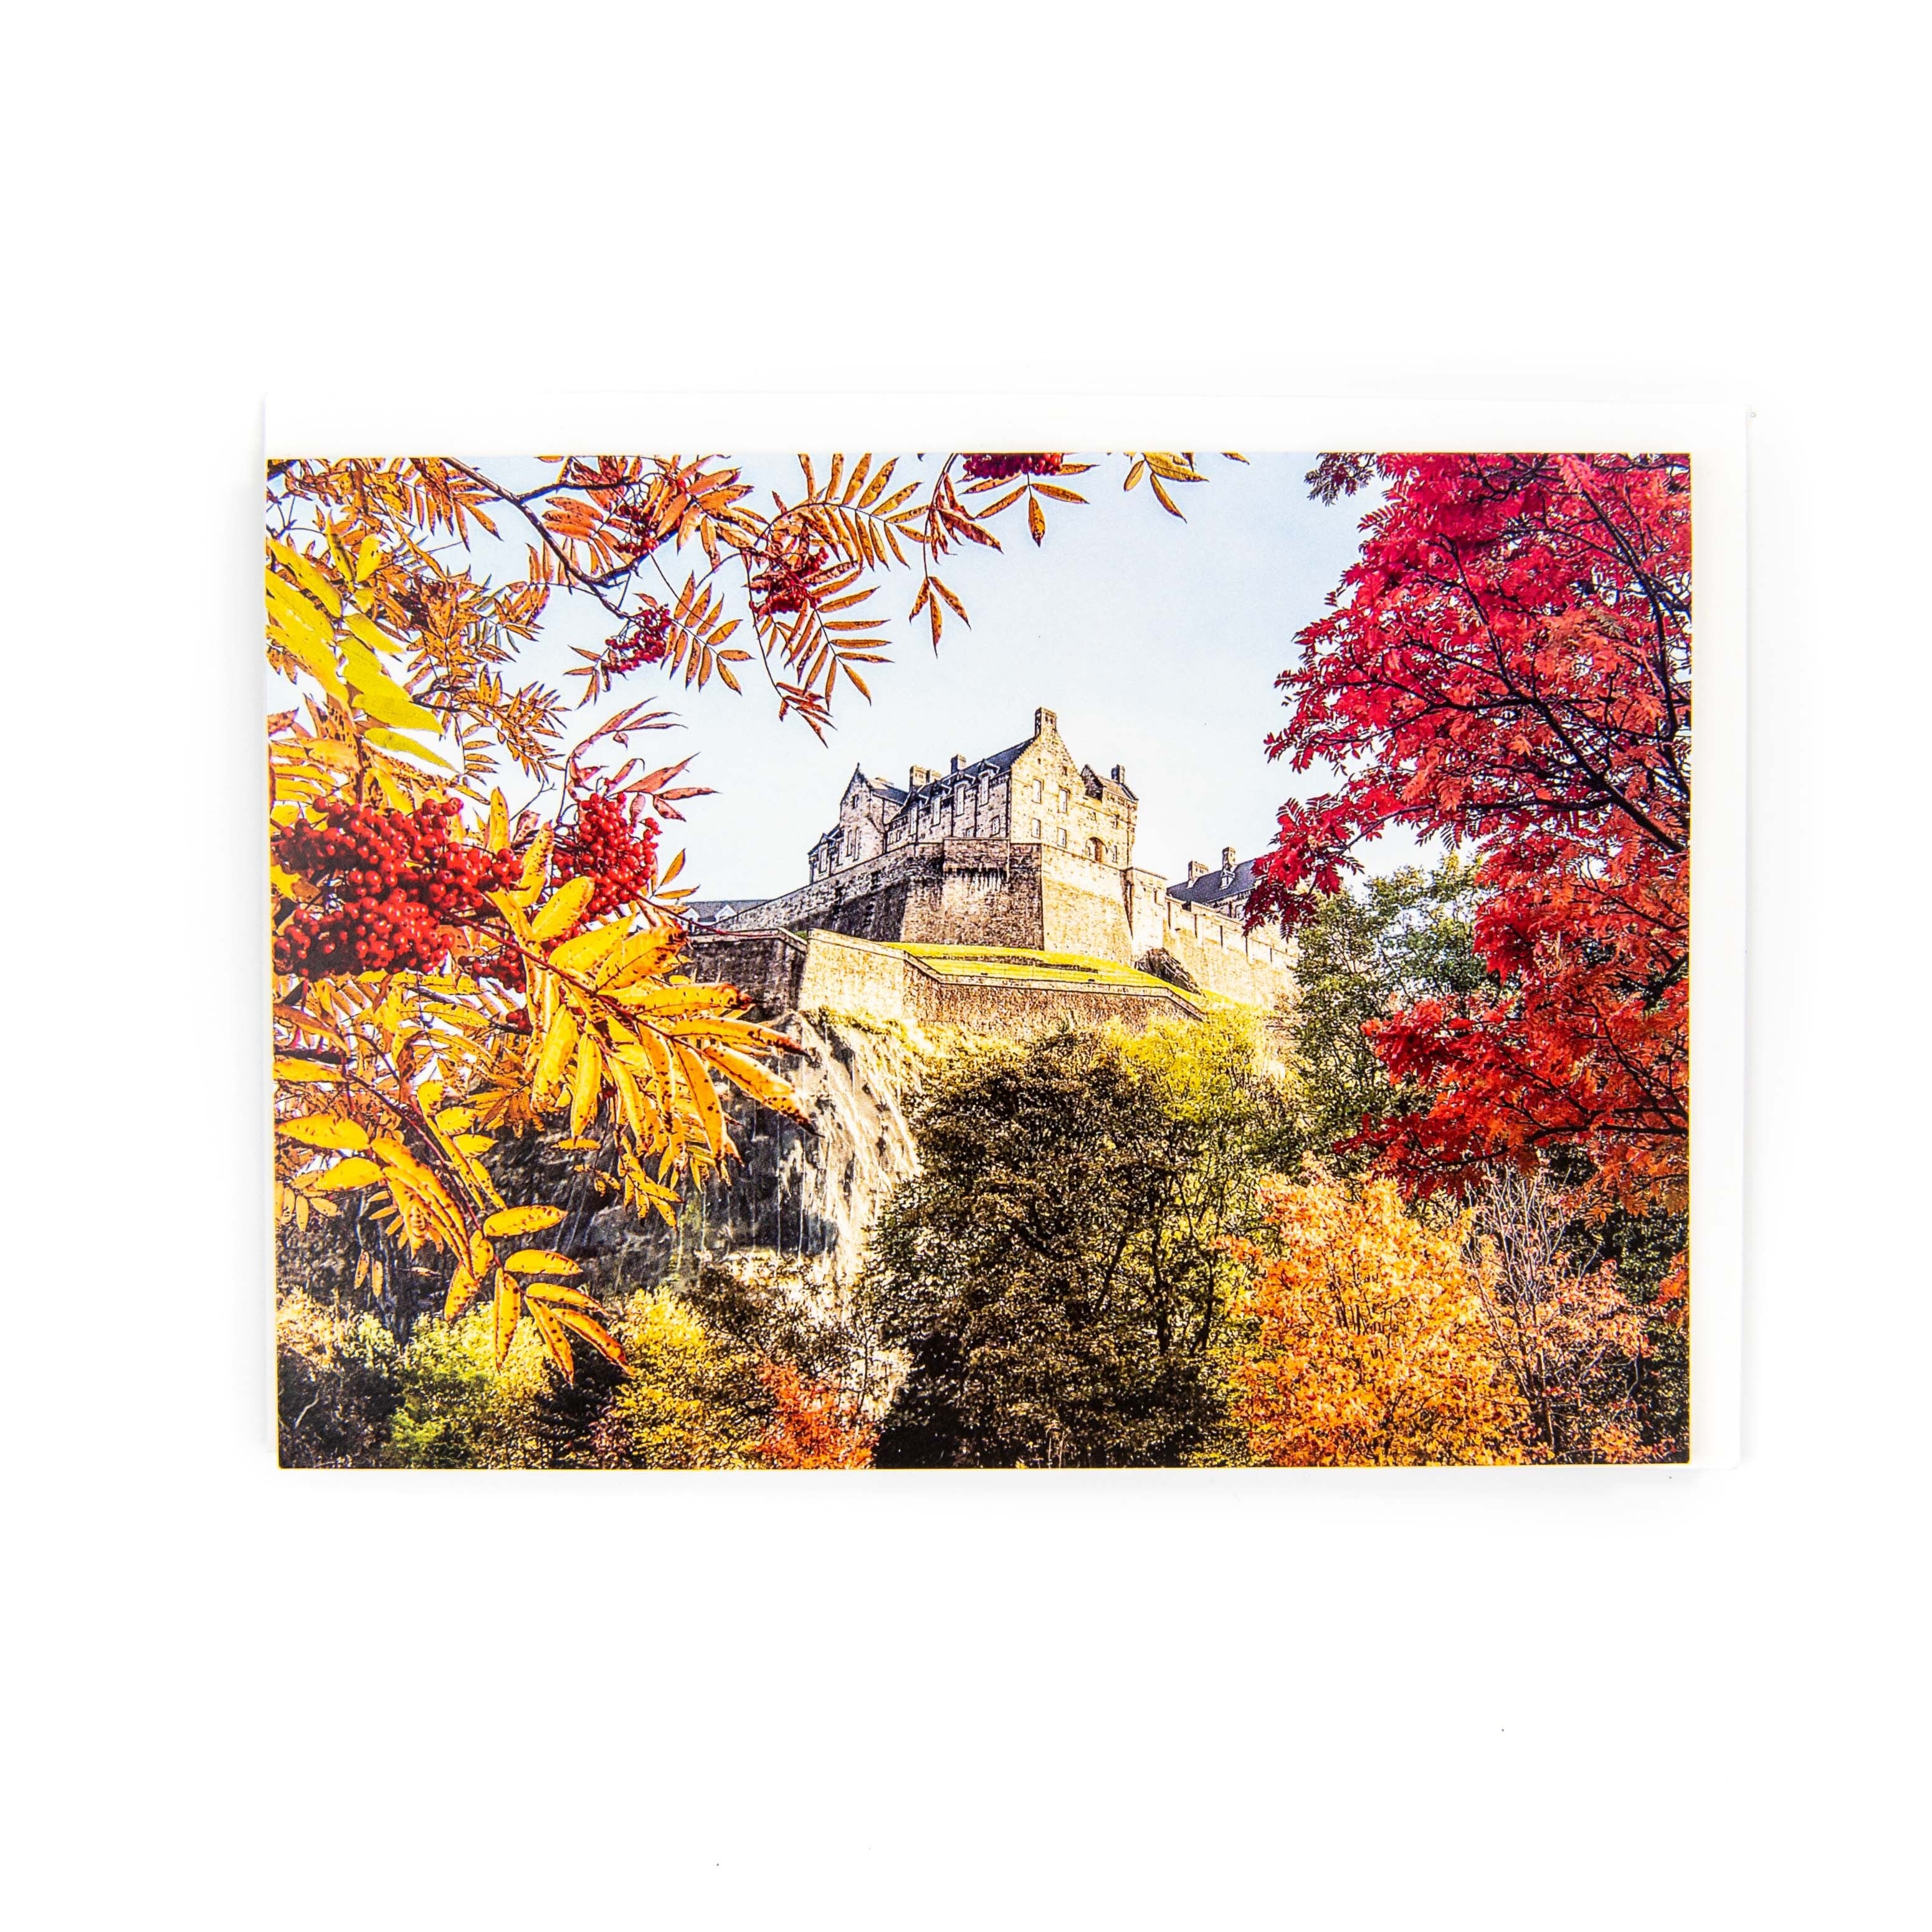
<point>847,975</point>
<point>951,892</point>
<point>766,967</point>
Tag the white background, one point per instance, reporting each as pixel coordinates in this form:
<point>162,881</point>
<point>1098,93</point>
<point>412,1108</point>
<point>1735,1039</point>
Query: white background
<point>238,1697</point>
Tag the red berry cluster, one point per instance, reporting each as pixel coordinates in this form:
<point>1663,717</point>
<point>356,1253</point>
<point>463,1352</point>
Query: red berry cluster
<point>632,527</point>
<point>785,583</point>
<point>644,640</point>
<point>393,882</point>
<point>999,466</point>
<point>602,843</point>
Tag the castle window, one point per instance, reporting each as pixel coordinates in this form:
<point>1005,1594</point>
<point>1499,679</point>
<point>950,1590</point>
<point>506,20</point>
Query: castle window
<point>1065,799</point>
<point>1035,829</point>
<point>1062,838</point>
<point>1040,791</point>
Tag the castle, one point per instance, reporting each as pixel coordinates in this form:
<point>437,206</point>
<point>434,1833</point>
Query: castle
<point>1021,860</point>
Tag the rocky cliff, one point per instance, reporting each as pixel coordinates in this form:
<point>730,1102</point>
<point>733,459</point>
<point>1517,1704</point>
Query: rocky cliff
<point>796,1204</point>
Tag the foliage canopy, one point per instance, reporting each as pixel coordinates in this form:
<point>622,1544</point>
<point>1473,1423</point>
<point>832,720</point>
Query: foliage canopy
<point>1507,666</point>
<point>1058,1271</point>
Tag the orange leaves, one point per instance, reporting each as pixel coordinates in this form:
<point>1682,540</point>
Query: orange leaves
<point>1371,1344</point>
<point>932,594</point>
<point>815,1427</point>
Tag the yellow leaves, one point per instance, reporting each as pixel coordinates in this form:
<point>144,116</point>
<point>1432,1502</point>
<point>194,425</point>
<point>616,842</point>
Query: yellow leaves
<point>359,628</point>
<point>764,1085</point>
<point>643,955</point>
<point>378,694</point>
<point>593,1331</point>
<point>522,1220</point>
<point>586,1083</point>
<point>1036,520</point>
<point>325,1130</point>
<point>305,573</point>
<point>580,956</point>
<point>656,1001</point>
<point>511,905</point>
<point>554,1340</point>
<point>307,621</point>
<point>1177,469</point>
<point>394,741</point>
<point>657,1058</point>
<point>422,1203</point>
<point>630,1101</point>
<point>508,1307</point>
<point>704,1098</point>
<point>1158,464</point>
<point>304,1071</point>
<point>536,864</point>
<point>563,909</point>
<point>540,1261</point>
<point>463,1287</point>
<point>559,1295</point>
<point>553,1055</point>
<point>356,1171</point>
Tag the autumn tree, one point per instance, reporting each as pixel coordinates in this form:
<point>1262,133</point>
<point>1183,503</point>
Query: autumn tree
<point>1058,1273</point>
<point>1506,668</point>
<point>1361,955</point>
<point>1583,1354</point>
<point>1371,1342</point>
<point>451,971</point>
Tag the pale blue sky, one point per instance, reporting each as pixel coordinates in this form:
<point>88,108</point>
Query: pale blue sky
<point>1157,642</point>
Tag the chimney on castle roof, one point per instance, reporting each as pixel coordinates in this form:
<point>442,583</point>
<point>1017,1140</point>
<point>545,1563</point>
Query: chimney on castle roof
<point>1195,870</point>
<point>1043,720</point>
<point>957,761</point>
<point>1227,858</point>
<point>919,776</point>
<point>1119,774</point>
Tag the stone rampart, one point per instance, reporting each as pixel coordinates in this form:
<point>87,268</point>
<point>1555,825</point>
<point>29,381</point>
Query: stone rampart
<point>950,892</point>
<point>1216,951</point>
<point>1081,908</point>
<point>1219,958</point>
<point>766,967</point>
<point>843,974</point>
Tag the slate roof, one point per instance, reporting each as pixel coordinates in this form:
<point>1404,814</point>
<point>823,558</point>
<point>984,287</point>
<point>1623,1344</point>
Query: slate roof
<point>1211,888</point>
<point>709,912</point>
<point>891,792</point>
<point>1112,789</point>
<point>999,761</point>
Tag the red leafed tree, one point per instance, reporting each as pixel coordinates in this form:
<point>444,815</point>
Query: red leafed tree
<point>814,1427</point>
<point>1507,667</point>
